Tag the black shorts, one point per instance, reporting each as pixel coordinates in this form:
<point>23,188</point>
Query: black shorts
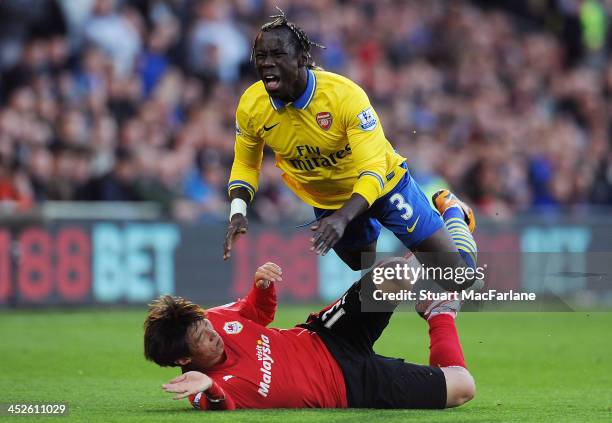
<point>372,380</point>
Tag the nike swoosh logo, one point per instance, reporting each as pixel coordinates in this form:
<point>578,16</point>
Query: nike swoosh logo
<point>267,128</point>
<point>411,229</point>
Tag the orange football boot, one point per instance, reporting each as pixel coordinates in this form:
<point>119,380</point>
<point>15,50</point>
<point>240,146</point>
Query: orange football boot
<point>444,199</point>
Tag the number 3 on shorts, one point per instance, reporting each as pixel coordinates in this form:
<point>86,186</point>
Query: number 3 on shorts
<point>398,201</point>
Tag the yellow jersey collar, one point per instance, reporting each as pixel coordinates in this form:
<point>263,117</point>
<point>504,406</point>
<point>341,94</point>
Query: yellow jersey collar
<point>302,101</point>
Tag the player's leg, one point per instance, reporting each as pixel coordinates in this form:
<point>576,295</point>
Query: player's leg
<point>408,214</point>
<point>460,386</point>
<point>359,237</point>
<point>459,222</point>
<point>391,383</point>
<point>439,251</point>
<point>445,349</point>
<point>357,259</point>
<point>349,320</point>
<point>349,334</point>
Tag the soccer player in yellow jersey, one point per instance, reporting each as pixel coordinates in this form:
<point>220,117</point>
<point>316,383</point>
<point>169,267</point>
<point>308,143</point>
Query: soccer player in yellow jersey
<point>331,147</point>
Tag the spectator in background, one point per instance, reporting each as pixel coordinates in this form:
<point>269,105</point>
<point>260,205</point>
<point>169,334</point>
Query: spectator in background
<point>602,190</point>
<point>40,168</point>
<point>148,186</point>
<point>116,32</point>
<point>70,172</point>
<point>155,61</point>
<point>116,185</point>
<point>27,19</point>
<point>216,47</point>
<point>204,185</point>
<point>15,189</point>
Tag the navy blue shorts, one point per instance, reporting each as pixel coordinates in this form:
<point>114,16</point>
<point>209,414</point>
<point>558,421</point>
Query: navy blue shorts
<point>404,210</point>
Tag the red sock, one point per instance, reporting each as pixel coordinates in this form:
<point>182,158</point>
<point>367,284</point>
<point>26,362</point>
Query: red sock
<point>444,346</point>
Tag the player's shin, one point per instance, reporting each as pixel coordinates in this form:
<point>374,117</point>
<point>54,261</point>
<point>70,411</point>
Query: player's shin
<point>444,346</point>
<point>460,233</point>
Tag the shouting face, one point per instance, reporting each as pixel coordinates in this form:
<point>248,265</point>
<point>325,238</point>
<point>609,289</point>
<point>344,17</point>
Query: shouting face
<point>280,64</point>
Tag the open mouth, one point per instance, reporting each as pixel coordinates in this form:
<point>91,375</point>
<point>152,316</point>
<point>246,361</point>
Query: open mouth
<point>271,82</point>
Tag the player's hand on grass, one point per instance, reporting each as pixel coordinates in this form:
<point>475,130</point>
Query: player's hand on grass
<point>327,232</point>
<point>189,383</point>
<point>266,274</point>
<point>237,226</point>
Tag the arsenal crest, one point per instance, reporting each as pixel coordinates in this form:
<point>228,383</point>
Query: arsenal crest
<point>325,119</point>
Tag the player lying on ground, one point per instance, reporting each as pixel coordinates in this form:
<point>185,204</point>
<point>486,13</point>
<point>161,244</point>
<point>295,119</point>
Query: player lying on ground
<point>334,155</point>
<point>230,359</point>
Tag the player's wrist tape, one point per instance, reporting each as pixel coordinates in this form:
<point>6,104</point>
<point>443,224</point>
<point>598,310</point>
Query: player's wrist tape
<point>238,205</point>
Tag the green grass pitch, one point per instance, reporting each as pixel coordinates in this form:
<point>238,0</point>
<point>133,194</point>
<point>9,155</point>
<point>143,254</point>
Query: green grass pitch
<point>528,367</point>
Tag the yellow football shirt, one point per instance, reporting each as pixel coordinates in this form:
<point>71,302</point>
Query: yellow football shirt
<point>329,143</point>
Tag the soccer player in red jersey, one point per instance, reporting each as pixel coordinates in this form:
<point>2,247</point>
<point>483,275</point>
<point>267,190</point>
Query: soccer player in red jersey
<point>230,358</point>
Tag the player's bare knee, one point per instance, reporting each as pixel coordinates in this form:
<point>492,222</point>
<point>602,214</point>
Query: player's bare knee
<point>468,389</point>
<point>460,386</point>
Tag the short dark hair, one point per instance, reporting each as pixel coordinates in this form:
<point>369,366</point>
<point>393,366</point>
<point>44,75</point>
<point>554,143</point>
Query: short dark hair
<point>301,40</point>
<point>165,329</point>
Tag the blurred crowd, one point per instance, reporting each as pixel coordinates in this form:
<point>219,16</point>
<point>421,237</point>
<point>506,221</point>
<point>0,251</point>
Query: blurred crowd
<point>506,102</point>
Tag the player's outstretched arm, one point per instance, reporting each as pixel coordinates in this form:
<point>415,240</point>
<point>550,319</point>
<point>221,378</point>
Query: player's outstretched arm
<point>329,230</point>
<point>239,197</point>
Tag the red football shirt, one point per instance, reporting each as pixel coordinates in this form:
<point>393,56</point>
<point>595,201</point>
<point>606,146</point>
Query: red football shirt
<point>268,367</point>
